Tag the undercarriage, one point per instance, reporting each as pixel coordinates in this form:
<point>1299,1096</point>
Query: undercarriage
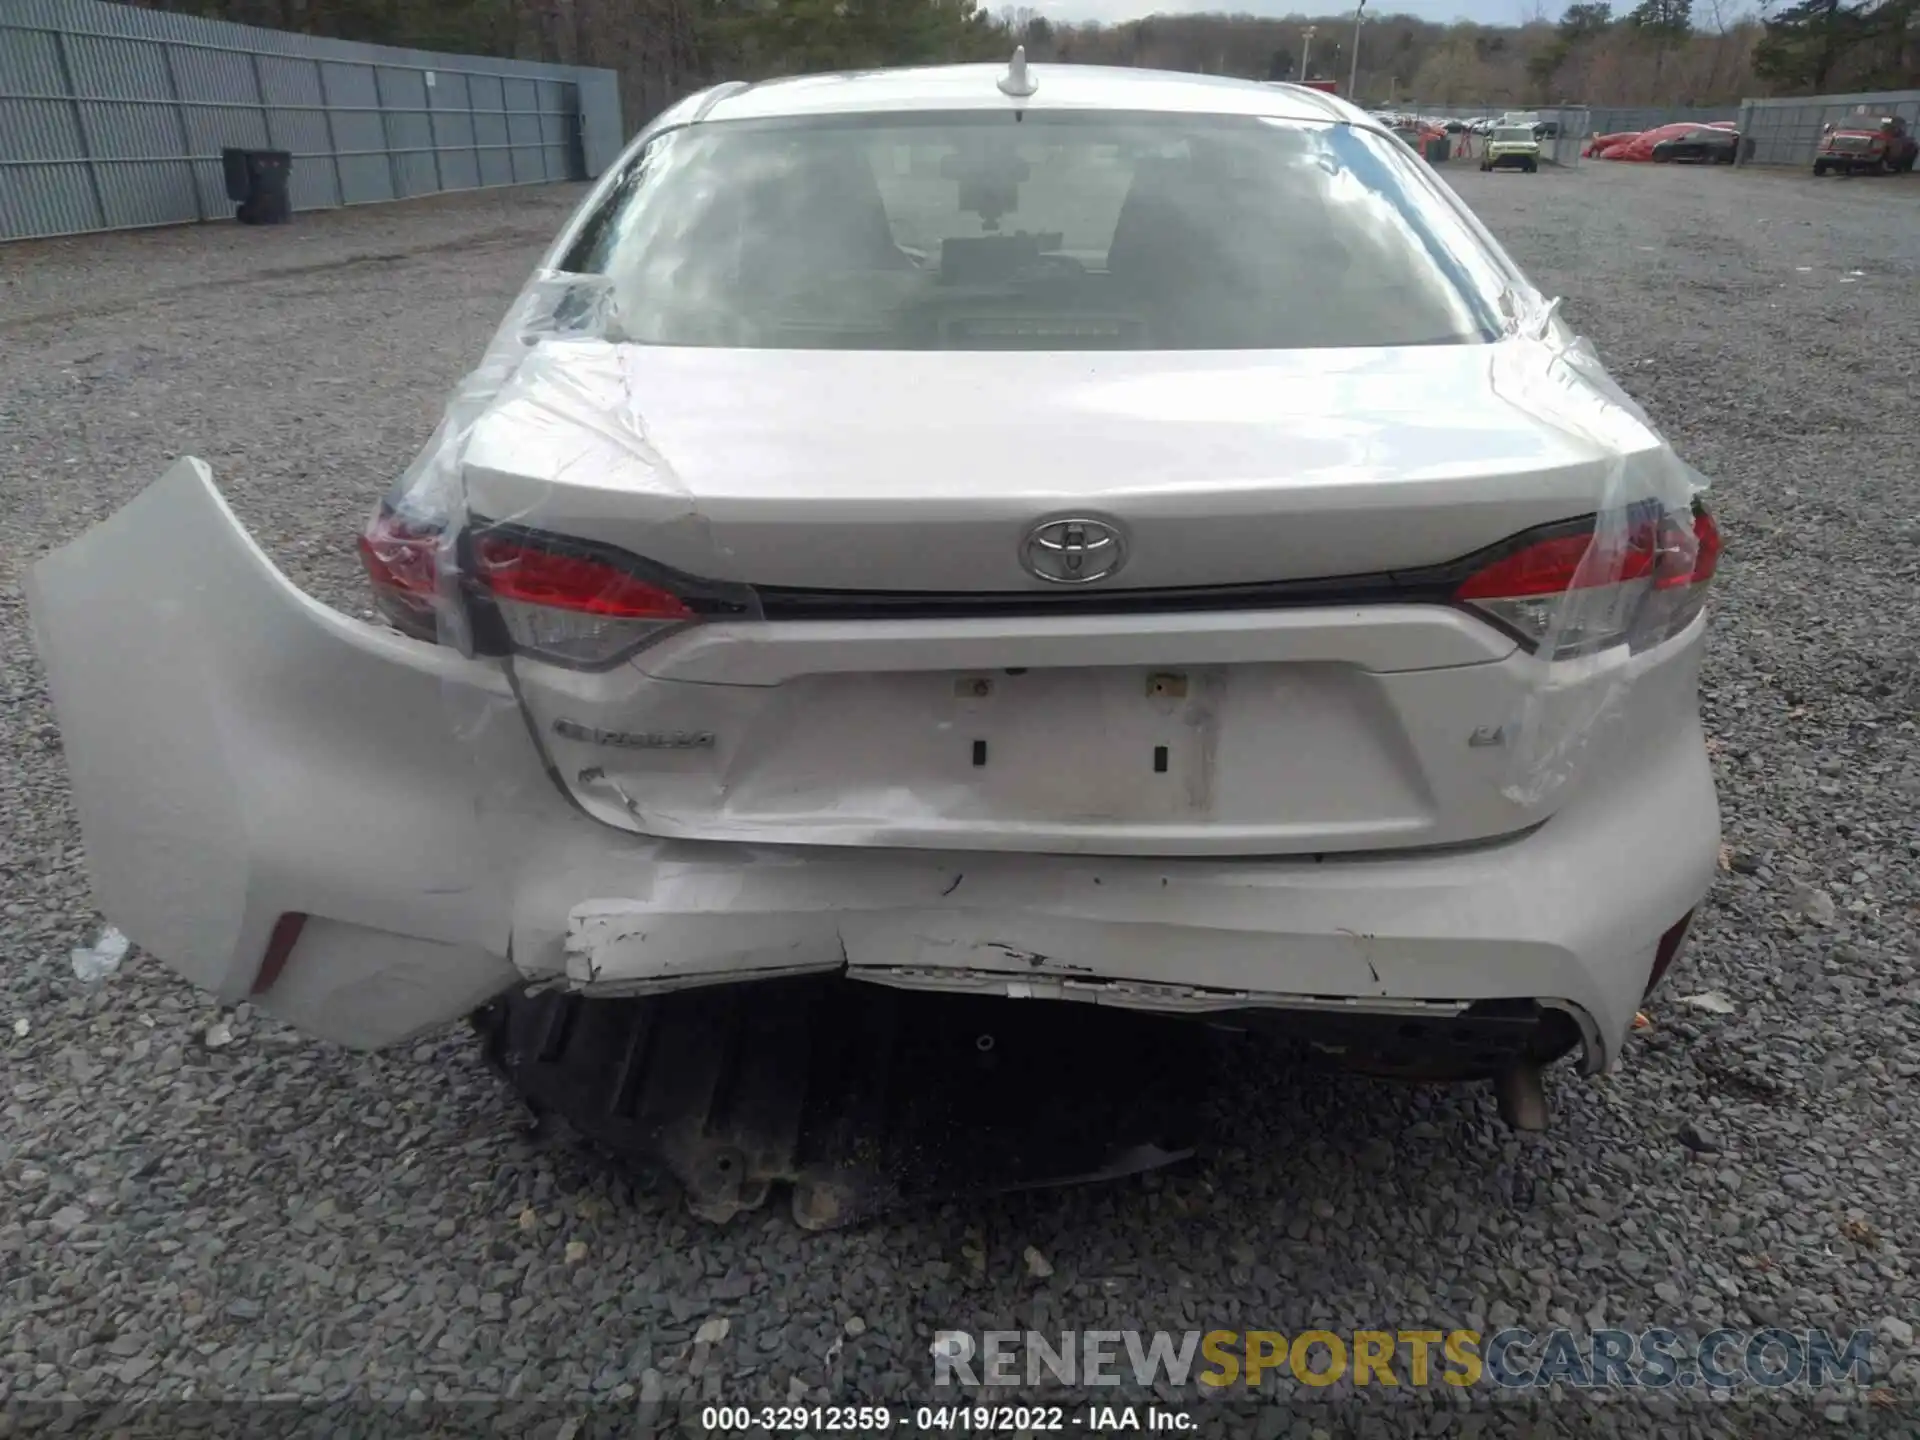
<point>855,1098</point>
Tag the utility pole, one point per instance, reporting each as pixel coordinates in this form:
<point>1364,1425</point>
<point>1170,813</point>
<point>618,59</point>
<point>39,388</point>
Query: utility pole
<point>1306,49</point>
<point>1353,71</point>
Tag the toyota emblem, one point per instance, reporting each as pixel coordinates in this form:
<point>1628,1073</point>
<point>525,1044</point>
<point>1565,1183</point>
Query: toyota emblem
<point>1074,551</point>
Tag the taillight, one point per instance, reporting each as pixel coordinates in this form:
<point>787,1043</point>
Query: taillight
<point>401,556</point>
<point>568,603</point>
<point>1579,590</point>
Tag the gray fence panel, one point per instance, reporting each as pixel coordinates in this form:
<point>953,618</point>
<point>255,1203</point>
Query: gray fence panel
<point>522,101</point>
<point>135,193</point>
<point>42,130</point>
<point>44,199</point>
<point>365,179</point>
<point>115,117</point>
<point>602,130</point>
<point>1613,119</point>
<point>490,129</point>
<point>1786,132</point>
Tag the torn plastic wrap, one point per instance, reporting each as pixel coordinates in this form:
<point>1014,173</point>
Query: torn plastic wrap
<point>492,539</point>
<point>1629,586</point>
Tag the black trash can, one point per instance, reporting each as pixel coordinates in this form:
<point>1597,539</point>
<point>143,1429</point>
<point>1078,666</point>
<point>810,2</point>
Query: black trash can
<point>257,181</point>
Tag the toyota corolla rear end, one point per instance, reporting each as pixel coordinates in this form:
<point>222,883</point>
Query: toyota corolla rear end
<point>1095,537</point>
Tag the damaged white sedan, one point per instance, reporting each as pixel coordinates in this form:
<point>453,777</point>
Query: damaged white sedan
<point>1054,534</point>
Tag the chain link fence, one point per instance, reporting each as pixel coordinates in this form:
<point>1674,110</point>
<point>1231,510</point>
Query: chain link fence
<point>113,118</point>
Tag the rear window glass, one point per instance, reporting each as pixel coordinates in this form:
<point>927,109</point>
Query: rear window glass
<point>1513,133</point>
<point>1070,232</point>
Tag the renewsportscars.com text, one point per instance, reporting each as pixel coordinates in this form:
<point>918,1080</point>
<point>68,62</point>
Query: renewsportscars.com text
<point>1514,1359</point>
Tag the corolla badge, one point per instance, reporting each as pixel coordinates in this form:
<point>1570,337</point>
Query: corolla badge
<point>636,739</point>
<point>1075,551</point>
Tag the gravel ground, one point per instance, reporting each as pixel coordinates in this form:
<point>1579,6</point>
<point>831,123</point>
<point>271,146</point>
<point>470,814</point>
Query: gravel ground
<point>273,1218</point>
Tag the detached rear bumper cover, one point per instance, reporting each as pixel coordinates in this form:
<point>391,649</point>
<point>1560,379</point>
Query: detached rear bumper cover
<point>240,752</point>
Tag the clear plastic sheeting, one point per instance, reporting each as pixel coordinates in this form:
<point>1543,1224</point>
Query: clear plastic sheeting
<point>486,543</point>
<point>1632,586</point>
<point>786,589</point>
<point>94,963</point>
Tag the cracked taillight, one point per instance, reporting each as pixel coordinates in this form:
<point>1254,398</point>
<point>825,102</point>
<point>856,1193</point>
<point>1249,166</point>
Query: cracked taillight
<point>402,560</point>
<point>569,603</point>
<point>1580,591</point>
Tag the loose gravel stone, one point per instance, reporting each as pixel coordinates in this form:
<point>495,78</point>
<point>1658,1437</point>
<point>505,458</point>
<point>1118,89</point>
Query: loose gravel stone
<point>174,1195</point>
<point>1700,1137</point>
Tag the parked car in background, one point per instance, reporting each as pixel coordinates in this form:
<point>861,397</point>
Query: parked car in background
<point>1866,143</point>
<point>1512,147</point>
<point>1598,143</point>
<point>1641,147</point>
<point>1708,144</point>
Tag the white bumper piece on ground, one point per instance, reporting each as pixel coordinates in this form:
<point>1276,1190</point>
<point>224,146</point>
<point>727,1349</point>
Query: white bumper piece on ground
<point>240,753</point>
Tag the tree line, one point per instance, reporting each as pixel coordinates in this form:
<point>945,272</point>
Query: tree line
<point>1659,52</point>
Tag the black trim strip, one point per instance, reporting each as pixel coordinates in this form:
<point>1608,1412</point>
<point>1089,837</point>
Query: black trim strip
<point>1426,585</point>
<point>728,600</point>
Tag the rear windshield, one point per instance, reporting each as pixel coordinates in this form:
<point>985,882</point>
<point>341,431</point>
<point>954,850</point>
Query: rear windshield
<point>1511,133</point>
<point>1068,232</point>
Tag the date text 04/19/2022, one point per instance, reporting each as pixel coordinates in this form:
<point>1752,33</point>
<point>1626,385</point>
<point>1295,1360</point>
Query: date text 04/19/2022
<point>946,1419</point>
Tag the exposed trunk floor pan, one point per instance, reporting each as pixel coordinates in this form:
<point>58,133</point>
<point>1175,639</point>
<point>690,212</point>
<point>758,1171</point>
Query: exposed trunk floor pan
<point>859,1097</point>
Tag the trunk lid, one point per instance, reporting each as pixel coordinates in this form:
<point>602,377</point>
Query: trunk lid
<point>924,471</point>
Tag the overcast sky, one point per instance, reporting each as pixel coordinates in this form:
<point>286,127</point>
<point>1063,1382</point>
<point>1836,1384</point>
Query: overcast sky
<point>1487,12</point>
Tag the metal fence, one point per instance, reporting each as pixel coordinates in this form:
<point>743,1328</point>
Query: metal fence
<point>1613,119</point>
<point>1565,126</point>
<point>1786,132</point>
<point>112,117</point>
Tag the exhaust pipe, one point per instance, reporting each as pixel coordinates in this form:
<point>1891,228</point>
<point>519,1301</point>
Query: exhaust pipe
<point>1522,1096</point>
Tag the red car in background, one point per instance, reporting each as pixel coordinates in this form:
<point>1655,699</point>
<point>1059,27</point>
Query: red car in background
<point>1641,147</point>
<point>1866,142</point>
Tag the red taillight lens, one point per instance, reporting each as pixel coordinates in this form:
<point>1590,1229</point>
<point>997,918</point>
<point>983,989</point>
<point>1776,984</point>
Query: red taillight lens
<point>1706,534</point>
<point>562,603</point>
<point>280,944</point>
<point>402,560</point>
<point>1552,567</point>
<point>517,570</point>
<point>1579,591</point>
